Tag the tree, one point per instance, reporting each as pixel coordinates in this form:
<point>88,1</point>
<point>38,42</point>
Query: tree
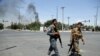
<point>87,28</point>
<point>59,26</point>
<point>1,26</point>
<point>20,26</point>
<point>97,28</point>
<point>16,26</point>
<point>48,23</point>
<point>33,26</point>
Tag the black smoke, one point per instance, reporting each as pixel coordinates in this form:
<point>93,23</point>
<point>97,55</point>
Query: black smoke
<point>9,7</point>
<point>32,10</point>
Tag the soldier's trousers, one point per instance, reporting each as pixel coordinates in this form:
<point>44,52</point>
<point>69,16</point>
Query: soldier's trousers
<point>53,46</point>
<point>77,46</point>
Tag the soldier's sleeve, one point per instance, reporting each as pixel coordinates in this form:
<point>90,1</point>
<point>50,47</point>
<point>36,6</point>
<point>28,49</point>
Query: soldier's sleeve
<point>82,37</point>
<point>49,32</point>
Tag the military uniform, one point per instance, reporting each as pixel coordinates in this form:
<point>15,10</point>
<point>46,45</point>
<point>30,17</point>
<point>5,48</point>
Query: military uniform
<point>76,36</point>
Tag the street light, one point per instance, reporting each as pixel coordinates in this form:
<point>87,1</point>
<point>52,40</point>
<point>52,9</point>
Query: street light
<point>96,16</point>
<point>19,15</point>
<point>68,20</point>
<point>57,12</point>
<point>62,17</point>
<point>4,23</point>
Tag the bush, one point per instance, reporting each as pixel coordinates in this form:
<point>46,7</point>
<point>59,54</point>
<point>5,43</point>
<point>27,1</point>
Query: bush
<point>1,26</point>
<point>33,26</point>
<point>49,22</point>
<point>16,26</point>
<point>97,28</point>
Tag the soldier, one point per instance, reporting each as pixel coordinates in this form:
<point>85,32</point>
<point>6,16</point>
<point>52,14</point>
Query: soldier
<point>54,34</point>
<point>76,35</point>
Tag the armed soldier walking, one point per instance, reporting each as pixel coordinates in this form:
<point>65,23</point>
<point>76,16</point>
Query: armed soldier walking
<point>54,35</point>
<point>76,35</point>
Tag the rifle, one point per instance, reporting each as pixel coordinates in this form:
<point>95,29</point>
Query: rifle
<point>70,46</point>
<point>60,41</point>
<point>58,36</point>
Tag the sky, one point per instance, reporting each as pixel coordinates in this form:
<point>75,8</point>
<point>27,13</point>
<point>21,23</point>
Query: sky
<point>77,10</point>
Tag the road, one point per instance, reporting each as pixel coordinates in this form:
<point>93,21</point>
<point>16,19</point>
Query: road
<point>27,43</point>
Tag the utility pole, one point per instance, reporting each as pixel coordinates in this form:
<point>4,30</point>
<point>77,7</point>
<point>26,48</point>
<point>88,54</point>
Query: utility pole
<point>96,17</point>
<point>19,15</point>
<point>62,18</point>
<point>19,18</point>
<point>68,20</point>
<point>57,12</point>
<point>4,23</point>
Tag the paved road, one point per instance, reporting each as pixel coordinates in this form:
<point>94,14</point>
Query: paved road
<point>25,43</point>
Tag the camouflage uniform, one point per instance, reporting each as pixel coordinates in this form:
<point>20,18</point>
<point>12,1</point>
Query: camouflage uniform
<point>76,36</point>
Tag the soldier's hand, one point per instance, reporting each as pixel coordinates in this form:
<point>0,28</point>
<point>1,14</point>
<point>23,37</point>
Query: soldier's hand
<point>56,33</point>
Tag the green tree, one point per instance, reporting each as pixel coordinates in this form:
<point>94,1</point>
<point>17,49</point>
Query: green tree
<point>16,26</point>
<point>20,26</point>
<point>34,26</point>
<point>88,28</point>
<point>97,28</point>
<point>59,26</point>
<point>1,26</point>
<point>48,23</point>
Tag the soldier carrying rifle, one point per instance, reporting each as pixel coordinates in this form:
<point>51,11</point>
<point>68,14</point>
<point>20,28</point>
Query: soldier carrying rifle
<point>76,35</point>
<point>54,35</point>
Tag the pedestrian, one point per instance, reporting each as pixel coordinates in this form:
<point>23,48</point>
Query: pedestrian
<point>54,35</point>
<point>76,35</point>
